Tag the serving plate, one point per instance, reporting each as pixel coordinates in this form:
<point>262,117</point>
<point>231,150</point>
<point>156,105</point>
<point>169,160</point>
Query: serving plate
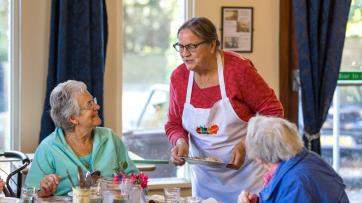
<point>203,161</point>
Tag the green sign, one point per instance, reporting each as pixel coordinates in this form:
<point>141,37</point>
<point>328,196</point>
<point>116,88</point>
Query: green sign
<point>350,76</point>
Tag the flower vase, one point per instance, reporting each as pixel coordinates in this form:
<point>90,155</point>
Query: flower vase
<point>137,194</point>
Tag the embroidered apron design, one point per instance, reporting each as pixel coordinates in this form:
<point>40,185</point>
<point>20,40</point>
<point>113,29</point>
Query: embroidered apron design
<point>223,184</point>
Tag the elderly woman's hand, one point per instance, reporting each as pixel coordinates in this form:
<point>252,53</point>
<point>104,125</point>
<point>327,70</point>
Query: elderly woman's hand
<point>2,184</point>
<point>48,185</point>
<point>237,156</point>
<point>247,197</point>
<point>179,150</point>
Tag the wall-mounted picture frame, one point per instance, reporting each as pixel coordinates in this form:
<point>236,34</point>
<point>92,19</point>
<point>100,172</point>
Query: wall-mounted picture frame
<point>237,29</point>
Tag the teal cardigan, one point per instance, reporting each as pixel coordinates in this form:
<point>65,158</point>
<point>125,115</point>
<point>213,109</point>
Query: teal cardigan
<point>54,156</point>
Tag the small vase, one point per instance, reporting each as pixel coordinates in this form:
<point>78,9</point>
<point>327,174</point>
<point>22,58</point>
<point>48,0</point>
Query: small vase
<point>137,194</point>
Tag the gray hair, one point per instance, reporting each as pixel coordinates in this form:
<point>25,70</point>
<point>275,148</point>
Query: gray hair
<point>64,104</point>
<point>272,139</point>
<point>203,28</point>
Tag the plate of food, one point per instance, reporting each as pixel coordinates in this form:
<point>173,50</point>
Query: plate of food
<point>208,161</point>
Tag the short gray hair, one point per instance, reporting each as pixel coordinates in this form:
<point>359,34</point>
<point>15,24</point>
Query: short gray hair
<point>64,104</point>
<point>272,139</point>
<point>203,28</point>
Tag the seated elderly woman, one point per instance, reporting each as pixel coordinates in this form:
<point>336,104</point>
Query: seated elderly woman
<point>294,173</point>
<point>76,141</point>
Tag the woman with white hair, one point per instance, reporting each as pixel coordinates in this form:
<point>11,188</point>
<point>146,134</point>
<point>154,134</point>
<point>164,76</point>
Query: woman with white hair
<point>76,141</point>
<point>294,173</point>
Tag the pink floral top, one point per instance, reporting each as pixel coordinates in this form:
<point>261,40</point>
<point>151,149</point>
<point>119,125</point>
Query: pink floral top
<point>269,175</point>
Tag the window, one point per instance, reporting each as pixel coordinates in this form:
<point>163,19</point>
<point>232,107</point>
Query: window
<point>8,15</point>
<point>342,131</point>
<point>150,29</point>
<point>5,37</point>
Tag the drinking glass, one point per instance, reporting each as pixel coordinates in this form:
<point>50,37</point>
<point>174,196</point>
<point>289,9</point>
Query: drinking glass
<point>113,192</point>
<point>172,195</point>
<point>81,195</point>
<point>28,194</point>
<point>193,200</point>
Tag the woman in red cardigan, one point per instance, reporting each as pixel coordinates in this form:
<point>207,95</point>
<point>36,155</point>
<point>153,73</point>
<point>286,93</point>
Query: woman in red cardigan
<point>213,94</point>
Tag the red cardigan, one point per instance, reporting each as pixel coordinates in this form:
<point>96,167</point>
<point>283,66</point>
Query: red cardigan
<point>248,92</point>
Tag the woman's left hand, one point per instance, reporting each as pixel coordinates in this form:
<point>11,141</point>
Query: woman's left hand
<point>237,156</point>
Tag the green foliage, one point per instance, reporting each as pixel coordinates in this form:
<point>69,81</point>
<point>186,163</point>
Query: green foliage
<point>355,12</point>
<point>149,27</point>
<point>122,166</point>
<point>350,95</point>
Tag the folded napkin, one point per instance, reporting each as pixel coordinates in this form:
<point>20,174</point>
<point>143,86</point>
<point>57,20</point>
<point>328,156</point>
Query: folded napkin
<point>209,200</point>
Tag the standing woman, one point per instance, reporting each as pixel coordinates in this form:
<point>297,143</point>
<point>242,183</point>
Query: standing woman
<point>213,94</point>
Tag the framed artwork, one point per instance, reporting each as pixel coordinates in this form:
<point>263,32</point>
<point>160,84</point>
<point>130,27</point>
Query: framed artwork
<point>237,29</point>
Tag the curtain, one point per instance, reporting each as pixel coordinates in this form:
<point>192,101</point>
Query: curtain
<point>320,27</point>
<point>77,50</point>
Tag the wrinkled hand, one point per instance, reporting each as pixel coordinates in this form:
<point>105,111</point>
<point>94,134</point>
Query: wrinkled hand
<point>48,185</point>
<point>237,156</point>
<point>247,197</point>
<point>180,149</point>
<point>2,184</point>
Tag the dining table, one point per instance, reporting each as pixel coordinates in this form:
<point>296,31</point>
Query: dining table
<point>144,165</point>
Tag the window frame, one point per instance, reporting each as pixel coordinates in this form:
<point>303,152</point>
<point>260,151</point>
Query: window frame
<point>15,64</point>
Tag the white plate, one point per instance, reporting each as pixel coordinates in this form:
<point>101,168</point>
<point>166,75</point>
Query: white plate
<point>192,160</point>
<point>9,200</point>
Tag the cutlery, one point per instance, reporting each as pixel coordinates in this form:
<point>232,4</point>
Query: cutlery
<point>80,177</point>
<point>88,179</point>
<point>70,179</point>
<point>95,175</point>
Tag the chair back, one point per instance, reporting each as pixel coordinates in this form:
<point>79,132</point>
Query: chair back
<point>25,162</point>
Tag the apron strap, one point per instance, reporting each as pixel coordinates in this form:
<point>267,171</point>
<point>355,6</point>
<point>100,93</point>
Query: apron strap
<point>189,87</point>
<point>220,70</point>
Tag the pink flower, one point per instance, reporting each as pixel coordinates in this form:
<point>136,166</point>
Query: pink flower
<point>136,179</point>
<point>115,179</point>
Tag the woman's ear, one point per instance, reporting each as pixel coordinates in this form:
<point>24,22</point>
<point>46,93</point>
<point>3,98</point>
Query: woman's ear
<point>74,120</point>
<point>258,160</point>
<point>213,47</point>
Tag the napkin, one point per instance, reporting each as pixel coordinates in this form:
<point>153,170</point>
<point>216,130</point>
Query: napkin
<point>209,200</point>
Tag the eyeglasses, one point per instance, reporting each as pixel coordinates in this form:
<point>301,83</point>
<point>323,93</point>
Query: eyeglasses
<point>90,104</point>
<point>189,47</point>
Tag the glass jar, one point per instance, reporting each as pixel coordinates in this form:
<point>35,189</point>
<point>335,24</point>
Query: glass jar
<point>81,195</point>
<point>172,195</point>
<point>114,191</point>
<point>28,194</point>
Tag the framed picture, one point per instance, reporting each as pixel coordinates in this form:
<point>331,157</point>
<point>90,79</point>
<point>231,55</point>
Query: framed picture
<point>237,29</point>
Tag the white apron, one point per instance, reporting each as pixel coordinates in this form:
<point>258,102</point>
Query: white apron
<point>223,184</point>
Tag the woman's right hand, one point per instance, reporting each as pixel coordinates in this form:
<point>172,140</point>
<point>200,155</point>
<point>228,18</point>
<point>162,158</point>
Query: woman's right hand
<point>181,149</point>
<point>2,184</point>
<point>48,185</point>
<point>247,197</point>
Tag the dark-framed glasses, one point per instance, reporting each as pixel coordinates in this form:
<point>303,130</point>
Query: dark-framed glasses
<point>189,47</point>
<point>90,104</point>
